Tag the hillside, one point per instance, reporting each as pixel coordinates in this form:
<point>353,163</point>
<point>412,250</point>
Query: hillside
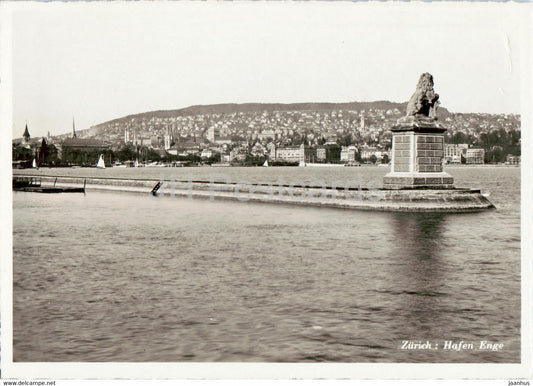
<point>286,124</point>
<point>231,108</point>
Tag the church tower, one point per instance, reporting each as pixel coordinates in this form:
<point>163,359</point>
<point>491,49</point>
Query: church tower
<point>26,134</point>
<point>73,128</point>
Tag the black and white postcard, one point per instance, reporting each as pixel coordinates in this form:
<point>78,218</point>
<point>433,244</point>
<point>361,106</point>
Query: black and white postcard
<point>266,190</point>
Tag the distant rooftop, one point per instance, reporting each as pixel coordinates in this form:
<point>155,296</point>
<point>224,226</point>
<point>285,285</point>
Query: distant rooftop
<point>84,142</point>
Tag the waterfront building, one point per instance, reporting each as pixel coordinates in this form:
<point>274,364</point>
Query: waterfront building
<point>333,151</point>
<point>81,150</point>
<point>321,154</point>
<point>185,148</point>
<point>288,154</point>
<point>368,152</point>
<point>293,153</point>
<point>348,153</point>
<point>454,152</point>
<point>208,153</point>
<point>475,156</point>
<point>512,159</point>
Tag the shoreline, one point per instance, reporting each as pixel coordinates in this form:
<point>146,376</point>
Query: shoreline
<point>481,166</point>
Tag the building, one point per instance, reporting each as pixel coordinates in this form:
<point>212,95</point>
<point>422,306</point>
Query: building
<point>155,141</point>
<point>27,141</point>
<point>475,156</point>
<point>454,152</point>
<point>331,151</point>
<point>321,154</point>
<point>73,129</point>
<point>212,134</point>
<point>287,154</point>
<point>293,154</point>
<point>28,149</point>
<point>208,153</point>
<point>168,141</point>
<point>512,159</point>
<point>348,153</point>
<point>237,155</point>
<point>258,150</point>
<point>82,150</point>
<point>368,152</point>
<point>185,148</point>
<point>265,134</point>
<point>223,140</point>
<point>26,136</point>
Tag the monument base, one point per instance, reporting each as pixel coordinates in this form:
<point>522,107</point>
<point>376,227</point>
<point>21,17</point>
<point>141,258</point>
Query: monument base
<point>402,180</point>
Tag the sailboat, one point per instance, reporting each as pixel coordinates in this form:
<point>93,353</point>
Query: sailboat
<point>34,164</point>
<point>266,164</point>
<point>101,163</point>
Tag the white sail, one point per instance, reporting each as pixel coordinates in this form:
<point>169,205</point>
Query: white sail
<point>34,163</point>
<point>266,164</point>
<point>101,163</point>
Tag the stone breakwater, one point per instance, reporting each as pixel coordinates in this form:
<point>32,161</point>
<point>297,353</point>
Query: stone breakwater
<point>408,200</point>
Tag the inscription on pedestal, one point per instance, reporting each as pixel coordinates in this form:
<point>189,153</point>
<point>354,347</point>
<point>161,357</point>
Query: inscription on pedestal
<point>429,153</point>
<point>402,153</point>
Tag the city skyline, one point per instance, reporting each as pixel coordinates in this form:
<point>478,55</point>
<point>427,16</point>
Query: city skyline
<point>91,61</point>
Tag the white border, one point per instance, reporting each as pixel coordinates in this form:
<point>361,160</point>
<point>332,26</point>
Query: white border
<point>262,370</point>
<point>6,233</point>
<point>526,109</point>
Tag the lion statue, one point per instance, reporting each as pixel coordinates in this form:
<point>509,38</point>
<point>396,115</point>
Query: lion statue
<point>424,102</point>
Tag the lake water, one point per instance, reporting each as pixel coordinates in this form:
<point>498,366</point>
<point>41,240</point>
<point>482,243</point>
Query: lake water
<point>122,277</point>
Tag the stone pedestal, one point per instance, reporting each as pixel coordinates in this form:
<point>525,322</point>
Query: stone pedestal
<point>417,156</point>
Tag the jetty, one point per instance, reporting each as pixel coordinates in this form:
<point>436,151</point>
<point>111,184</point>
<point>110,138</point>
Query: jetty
<point>456,200</point>
<point>34,184</point>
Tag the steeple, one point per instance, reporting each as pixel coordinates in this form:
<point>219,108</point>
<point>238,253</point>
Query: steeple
<point>26,134</point>
<point>73,128</point>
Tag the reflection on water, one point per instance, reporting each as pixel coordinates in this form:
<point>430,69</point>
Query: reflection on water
<point>418,250</point>
<point>420,232</point>
<point>120,277</point>
<point>419,262</point>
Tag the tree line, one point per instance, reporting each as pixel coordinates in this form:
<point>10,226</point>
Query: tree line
<point>496,143</point>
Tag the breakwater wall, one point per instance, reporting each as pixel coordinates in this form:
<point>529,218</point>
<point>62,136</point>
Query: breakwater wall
<point>412,200</point>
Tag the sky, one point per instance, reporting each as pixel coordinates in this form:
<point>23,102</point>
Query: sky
<point>100,61</point>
